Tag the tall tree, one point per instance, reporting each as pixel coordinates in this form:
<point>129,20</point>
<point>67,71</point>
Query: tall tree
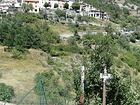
<point>6,92</point>
<point>76,6</point>
<point>27,7</point>
<point>47,5</point>
<point>118,91</point>
<point>66,6</point>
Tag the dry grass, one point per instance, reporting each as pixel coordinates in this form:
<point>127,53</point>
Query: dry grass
<point>20,73</point>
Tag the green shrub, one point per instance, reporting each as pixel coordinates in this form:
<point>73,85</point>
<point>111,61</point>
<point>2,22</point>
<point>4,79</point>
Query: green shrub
<point>130,59</point>
<point>50,60</point>
<point>63,50</point>
<point>60,13</point>
<point>0,75</point>
<point>132,39</point>
<point>55,5</point>
<point>66,6</point>
<point>26,17</point>
<point>56,93</point>
<point>6,92</point>
<point>17,54</point>
<point>76,6</point>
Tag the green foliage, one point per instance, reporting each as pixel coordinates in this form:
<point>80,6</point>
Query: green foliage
<point>28,38</point>
<point>60,13</point>
<point>55,92</point>
<point>6,92</point>
<point>132,39</point>
<point>76,6</point>
<point>109,29</point>
<point>136,35</point>
<point>0,75</point>
<point>122,42</point>
<point>26,17</point>
<point>55,5</point>
<point>22,32</point>
<point>136,2</point>
<point>61,50</point>
<point>118,91</point>
<point>66,6</point>
<point>131,57</point>
<point>116,13</point>
<point>27,7</point>
<point>18,52</point>
<point>50,60</point>
<point>84,18</point>
<point>46,5</point>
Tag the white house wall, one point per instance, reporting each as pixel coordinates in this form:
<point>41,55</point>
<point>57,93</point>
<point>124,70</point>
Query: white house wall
<point>60,4</point>
<point>85,9</point>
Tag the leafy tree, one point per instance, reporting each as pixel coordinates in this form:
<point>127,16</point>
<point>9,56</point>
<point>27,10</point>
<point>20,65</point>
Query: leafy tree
<point>46,5</point>
<point>27,7</point>
<point>6,92</point>
<point>60,13</point>
<point>18,52</point>
<point>76,6</point>
<point>66,6</point>
<point>126,11</point>
<point>25,17</point>
<point>109,29</point>
<point>132,39</point>
<point>118,91</point>
<point>55,5</point>
<point>28,39</point>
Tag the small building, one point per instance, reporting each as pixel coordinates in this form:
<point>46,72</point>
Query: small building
<point>8,6</point>
<point>98,14</point>
<point>4,6</point>
<point>89,10</point>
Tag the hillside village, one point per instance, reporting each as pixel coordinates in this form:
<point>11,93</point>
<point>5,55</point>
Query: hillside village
<point>38,5</point>
<point>69,52</point>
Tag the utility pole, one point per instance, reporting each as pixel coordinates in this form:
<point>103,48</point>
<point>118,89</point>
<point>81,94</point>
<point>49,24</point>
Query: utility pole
<point>104,76</point>
<point>82,85</point>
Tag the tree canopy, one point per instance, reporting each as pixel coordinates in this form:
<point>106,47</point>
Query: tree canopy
<point>27,7</point>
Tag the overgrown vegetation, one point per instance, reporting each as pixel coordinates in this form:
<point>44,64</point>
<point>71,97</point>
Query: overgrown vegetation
<point>100,50</point>
<point>61,83</point>
<point>6,92</point>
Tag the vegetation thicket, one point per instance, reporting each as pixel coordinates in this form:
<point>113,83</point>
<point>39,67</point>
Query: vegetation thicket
<point>113,51</point>
<point>27,7</point>
<point>26,30</point>
<point>6,92</point>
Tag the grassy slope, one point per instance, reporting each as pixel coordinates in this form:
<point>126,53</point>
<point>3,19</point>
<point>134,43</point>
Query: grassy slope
<point>70,29</point>
<point>20,73</point>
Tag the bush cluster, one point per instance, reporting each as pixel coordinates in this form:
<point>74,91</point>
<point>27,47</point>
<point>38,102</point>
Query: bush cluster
<point>6,92</point>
